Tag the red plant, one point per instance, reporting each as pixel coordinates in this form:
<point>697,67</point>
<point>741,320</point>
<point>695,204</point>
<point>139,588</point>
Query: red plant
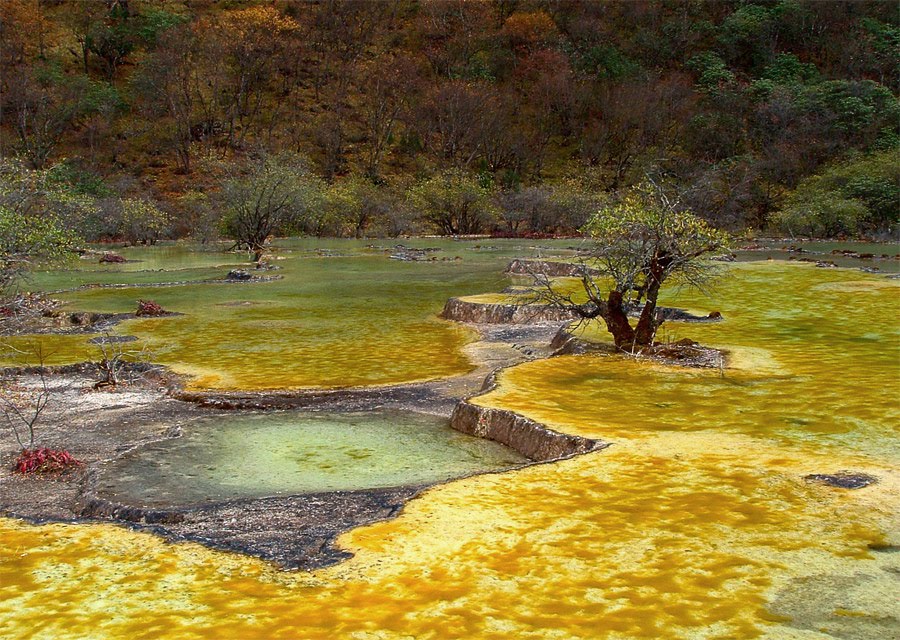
<point>149,308</point>
<point>45,461</point>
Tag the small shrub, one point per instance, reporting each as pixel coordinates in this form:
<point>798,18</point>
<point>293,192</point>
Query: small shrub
<point>112,258</point>
<point>45,460</point>
<point>149,308</point>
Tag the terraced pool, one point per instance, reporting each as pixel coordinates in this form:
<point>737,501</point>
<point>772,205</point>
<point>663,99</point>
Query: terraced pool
<point>697,523</point>
<point>237,456</point>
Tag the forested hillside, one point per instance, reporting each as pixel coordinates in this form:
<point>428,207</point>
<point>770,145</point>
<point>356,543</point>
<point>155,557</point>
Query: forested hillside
<point>405,116</point>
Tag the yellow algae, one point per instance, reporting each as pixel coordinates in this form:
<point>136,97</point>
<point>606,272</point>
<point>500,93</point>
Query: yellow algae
<point>858,286</point>
<point>696,523</point>
<point>758,428</point>
<point>52,349</point>
<point>496,298</point>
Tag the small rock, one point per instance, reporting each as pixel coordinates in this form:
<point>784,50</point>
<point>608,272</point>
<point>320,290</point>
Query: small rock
<point>842,479</point>
<point>112,339</point>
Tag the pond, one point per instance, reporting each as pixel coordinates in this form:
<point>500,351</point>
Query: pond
<point>255,455</point>
<point>344,313</point>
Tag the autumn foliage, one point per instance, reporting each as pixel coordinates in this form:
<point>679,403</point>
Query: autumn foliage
<point>154,102</point>
<point>149,308</point>
<point>45,460</point>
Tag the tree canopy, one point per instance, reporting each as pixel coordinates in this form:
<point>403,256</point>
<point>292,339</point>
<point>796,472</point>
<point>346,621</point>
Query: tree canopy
<point>273,197</point>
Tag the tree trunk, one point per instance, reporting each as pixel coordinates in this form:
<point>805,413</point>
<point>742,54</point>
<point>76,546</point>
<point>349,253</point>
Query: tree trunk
<point>616,318</point>
<point>647,325</point>
<point>650,319</point>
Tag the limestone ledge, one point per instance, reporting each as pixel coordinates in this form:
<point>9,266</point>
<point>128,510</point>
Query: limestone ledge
<point>530,438</point>
<point>461,310</point>
<point>549,268</point>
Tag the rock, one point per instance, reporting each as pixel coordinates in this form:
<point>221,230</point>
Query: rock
<point>680,315</point>
<point>486,313</point>
<point>549,269</point>
<point>410,254</point>
<point>238,274</point>
<point>842,479</point>
<point>110,257</point>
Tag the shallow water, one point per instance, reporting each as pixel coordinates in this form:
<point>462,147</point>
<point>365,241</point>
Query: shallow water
<point>255,455</point>
<point>696,523</point>
<point>344,314</point>
<point>885,255</point>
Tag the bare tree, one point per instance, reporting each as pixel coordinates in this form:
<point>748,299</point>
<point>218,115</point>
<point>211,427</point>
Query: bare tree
<point>629,120</point>
<point>167,82</point>
<point>388,86</point>
<point>451,31</point>
<point>115,358</point>
<point>22,407</point>
<point>456,117</point>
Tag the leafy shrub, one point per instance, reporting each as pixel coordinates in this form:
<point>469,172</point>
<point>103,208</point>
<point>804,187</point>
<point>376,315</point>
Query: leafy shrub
<point>856,196</point>
<point>810,211</point>
<point>454,202</point>
<point>45,460</point>
<point>149,308</point>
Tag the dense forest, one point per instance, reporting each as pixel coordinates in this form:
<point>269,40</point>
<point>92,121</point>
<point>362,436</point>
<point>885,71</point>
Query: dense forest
<point>137,120</point>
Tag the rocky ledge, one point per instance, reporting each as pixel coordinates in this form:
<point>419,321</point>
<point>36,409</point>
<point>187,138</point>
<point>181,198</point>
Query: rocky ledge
<point>461,310</point>
<point>532,439</point>
<point>549,269</point>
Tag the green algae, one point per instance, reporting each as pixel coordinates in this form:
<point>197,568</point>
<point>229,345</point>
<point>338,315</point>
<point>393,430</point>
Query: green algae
<point>256,455</point>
